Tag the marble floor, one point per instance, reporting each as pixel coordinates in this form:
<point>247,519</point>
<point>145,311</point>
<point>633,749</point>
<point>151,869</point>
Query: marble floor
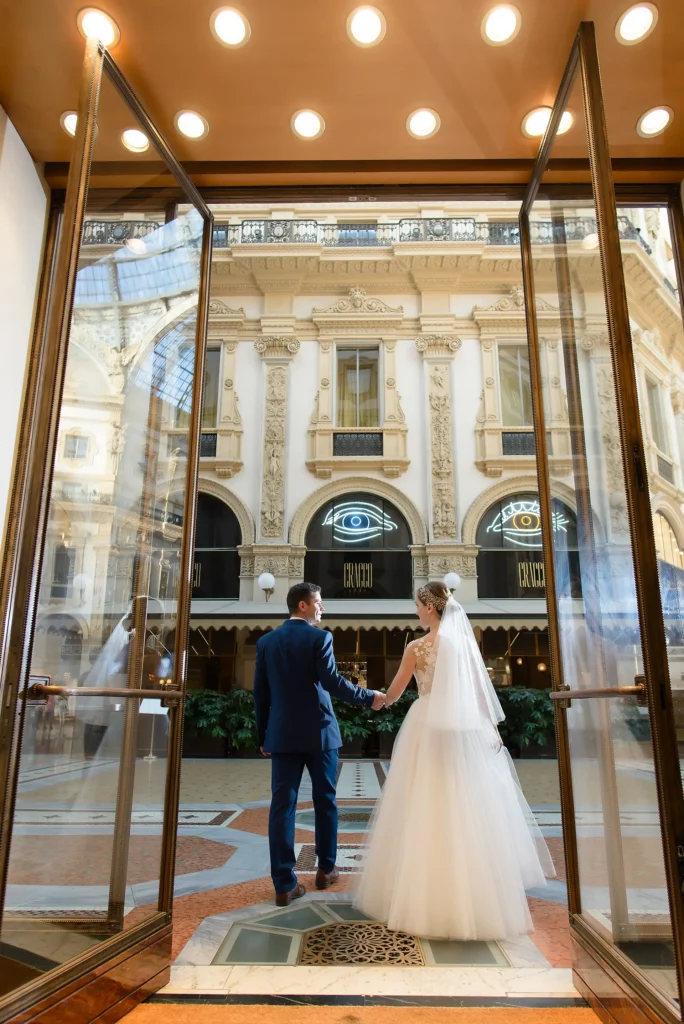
<point>228,939</point>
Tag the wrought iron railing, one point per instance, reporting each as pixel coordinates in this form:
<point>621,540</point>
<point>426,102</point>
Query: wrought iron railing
<point>368,234</point>
<point>357,443</point>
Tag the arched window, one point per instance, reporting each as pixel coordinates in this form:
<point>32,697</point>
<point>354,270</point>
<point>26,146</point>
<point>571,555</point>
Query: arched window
<point>358,546</point>
<point>671,573</point>
<point>510,562</point>
<point>217,537</point>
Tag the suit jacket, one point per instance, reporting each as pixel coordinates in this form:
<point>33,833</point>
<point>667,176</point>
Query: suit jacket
<point>294,677</point>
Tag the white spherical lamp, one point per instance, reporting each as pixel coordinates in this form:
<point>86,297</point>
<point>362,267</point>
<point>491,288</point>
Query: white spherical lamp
<point>452,580</point>
<point>267,583</point>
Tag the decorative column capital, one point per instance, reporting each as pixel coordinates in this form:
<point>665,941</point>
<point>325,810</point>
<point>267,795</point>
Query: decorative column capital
<point>438,346</point>
<point>277,346</point>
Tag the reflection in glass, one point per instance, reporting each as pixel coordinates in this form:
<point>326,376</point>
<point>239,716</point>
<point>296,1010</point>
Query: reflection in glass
<point>656,320</point>
<point>92,767</point>
<point>621,871</point>
<point>514,378</point>
<point>357,387</point>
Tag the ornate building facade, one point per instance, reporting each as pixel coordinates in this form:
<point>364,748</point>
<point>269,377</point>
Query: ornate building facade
<point>367,418</point>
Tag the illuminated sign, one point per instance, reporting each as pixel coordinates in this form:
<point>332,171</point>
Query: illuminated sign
<point>520,523</point>
<point>357,576</point>
<point>531,574</point>
<point>357,521</point>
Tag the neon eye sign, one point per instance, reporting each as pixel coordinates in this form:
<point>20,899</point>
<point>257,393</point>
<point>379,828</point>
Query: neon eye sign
<point>357,521</point>
<point>520,523</point>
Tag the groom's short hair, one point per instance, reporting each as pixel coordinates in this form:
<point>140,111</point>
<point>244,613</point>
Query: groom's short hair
<point>300,592</point>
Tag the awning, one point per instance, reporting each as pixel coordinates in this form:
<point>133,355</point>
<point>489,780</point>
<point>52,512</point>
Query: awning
<point>507,614</point>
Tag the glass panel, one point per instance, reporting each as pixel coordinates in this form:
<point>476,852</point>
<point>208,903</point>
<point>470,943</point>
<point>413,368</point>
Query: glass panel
<point>346,388</point>
<point>86,849</point>
<point>357,387</point>
<point>648,263</point>
<point>368,388</point>
<point>622,879</point>
<point>514,377</point>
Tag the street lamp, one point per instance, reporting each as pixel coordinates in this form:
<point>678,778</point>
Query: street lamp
<point>452,580</point>
<point>267,583</point>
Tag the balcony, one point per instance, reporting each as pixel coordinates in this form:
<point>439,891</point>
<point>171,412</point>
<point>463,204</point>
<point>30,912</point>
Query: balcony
<point>365,235</point>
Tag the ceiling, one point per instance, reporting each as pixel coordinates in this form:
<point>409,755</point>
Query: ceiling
<point>299,55</point>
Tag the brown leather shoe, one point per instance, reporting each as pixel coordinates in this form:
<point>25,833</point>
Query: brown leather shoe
<point>324,881</point>
<point>284,899</point>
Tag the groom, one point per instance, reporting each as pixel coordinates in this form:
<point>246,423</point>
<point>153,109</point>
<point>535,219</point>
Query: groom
<point>294,677</point>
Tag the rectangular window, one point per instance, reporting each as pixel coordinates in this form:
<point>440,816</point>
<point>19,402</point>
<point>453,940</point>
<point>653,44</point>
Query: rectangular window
<point>211,388</point>
<point>357,387</point>
<point>514,379</point>
<point>63,571</point>
<point>75,447</point>
<point>655,408</point>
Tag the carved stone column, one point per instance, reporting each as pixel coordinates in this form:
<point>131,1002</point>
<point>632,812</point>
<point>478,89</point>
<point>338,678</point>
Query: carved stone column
<point>438,350</point>
<point>277,352</point>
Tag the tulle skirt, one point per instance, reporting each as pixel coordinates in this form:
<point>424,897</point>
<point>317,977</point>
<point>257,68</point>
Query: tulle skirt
<point>453,844</point>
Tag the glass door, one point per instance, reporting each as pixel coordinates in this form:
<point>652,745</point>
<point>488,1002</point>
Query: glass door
<point>96,597</point>
<point>623,814</point>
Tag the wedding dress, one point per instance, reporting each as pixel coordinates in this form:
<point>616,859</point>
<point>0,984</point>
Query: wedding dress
<point>453,844</point>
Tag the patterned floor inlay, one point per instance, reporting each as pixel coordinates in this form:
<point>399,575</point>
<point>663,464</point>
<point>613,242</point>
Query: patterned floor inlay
<point>99,816</point>
<point>360,943</point>
<point>349,858</point>
<point>350,819</point>
<point>332,932</point>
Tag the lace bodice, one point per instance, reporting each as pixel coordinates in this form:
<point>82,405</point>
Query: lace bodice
<point>426,659</point>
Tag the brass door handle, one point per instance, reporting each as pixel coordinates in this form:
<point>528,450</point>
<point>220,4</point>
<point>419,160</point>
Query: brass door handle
<point>564,694</point>
<point>38,691</point>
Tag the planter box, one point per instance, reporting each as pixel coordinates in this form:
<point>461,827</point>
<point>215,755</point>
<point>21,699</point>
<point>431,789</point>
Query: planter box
<point>533,750</point>
<point>386,745</point>
<point>204,746</point>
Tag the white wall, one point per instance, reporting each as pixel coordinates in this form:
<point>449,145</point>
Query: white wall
<point>23,210</point>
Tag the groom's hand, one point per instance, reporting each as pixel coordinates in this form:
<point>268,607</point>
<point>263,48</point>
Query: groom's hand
<point>378,700</point>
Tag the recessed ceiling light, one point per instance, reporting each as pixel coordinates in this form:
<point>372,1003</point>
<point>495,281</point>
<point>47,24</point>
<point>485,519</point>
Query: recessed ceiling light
<point>654,121</point>
<point>534,124</point>
<point>68,121</point>
<point>366,26</point>
<point>307,124</point>
<point>501,25</point>
<point>135,140</point>
<point>95,23</point>
<point>230,27</point>
<point>423,123</point>
<point>636,23</point>
<point>190,124</point>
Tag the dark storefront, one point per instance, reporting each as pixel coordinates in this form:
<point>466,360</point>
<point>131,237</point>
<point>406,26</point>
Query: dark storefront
<point>510,562</point>
<point>358,547</point>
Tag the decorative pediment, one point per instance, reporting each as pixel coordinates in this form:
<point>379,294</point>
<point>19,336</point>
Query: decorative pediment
<point>358,311</point>
<point>218,308</point>
<point>514,302</point>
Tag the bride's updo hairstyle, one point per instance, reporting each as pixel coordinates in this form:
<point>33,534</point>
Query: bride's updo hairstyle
<point>436,594</point>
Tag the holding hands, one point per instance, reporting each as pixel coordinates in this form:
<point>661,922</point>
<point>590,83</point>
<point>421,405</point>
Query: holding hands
<point>379,700</point>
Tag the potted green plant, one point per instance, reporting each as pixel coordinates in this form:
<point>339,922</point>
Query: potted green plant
<point>205,725</point>
<point>528,729</point>
<point>219,724</point>
<point>355,728</point>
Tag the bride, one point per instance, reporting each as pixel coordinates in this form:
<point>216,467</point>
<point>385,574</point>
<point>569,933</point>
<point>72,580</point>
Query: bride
<point>453,844</point>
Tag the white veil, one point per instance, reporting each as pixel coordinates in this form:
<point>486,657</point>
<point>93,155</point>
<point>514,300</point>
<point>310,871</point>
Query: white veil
<point>462,696</point>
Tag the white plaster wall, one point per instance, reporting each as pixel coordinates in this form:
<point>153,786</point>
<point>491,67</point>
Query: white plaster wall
<point>23,209</point>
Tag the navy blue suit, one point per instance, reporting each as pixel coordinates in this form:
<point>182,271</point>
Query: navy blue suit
<point>294,677</point>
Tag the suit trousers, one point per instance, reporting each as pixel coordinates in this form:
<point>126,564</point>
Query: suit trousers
<point>286,776</point>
